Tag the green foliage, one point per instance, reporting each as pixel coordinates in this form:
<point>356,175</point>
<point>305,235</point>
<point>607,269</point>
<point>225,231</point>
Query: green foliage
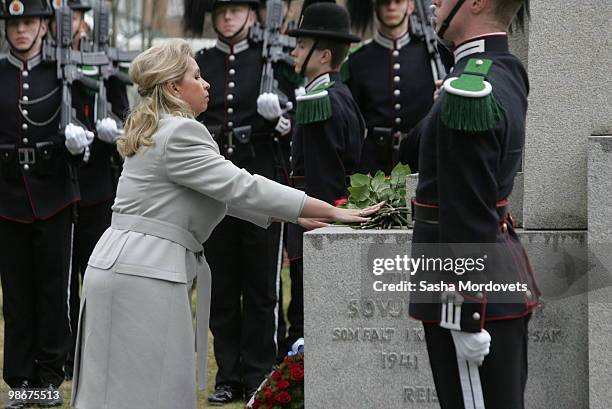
<point>366,191</point>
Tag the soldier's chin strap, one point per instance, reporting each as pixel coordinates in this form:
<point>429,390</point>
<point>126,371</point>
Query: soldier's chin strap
<point>307,60</point>
<point>31,45</point>
<point>448,19</point>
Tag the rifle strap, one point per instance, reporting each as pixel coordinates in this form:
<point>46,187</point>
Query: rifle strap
<point>449,18</point>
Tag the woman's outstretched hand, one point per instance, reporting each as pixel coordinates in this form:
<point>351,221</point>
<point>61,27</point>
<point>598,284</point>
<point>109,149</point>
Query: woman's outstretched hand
<point>347,216</point>
<point>311,224</point>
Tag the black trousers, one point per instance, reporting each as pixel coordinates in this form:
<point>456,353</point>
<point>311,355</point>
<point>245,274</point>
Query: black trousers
<point>34,261</point>
<point>245,264</point>
<point>503,375</point>
<point>295,311</point>
<point>91,224</point>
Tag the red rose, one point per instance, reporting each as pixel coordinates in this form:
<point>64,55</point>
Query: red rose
<point>276,375</point>
<point>297,373</point>
<point>282,384</point>
<point>283,398</point>
<point>256,403</point>
<point>268,393</point>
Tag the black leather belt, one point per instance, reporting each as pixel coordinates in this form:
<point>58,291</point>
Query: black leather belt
<point>427,213</point>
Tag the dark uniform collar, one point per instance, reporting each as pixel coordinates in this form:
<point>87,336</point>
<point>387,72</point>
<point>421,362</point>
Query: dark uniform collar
<point>392,44</point>
<point>239,47</point>
<point>323,79</point>
<point>24,65</point>
<point>490,42</point>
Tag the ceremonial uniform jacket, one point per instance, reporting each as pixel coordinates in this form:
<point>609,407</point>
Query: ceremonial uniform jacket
<point>391,81</point>
<point>36,179</point>
<point>95,177</point>
<point>234,74</point>
<point>326,152</point>
<point>468,176</point>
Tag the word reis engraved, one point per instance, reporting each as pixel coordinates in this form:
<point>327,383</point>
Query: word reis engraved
<point>420,394</point>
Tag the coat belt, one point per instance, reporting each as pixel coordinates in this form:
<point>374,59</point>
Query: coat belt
<point>181,236</point>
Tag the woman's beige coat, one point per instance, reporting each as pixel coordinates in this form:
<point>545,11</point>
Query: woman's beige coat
<point>135,345</point>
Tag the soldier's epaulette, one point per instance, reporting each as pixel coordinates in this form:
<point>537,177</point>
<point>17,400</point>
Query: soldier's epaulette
<point>468,103</point>
<point>314,106</point>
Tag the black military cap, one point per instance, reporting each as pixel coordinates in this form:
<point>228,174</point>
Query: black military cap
<point>325,20</point>
<point>219,3</point>
<point>79,5</point>
<point>25,8</point>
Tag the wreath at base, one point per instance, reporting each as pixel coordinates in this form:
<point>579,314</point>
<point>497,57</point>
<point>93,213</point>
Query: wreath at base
<point>284,387</point>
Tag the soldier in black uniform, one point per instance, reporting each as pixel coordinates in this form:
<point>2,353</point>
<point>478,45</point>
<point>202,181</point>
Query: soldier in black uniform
<point>470,151</point>
<point>244,258</point>
<point>329,135</point>
<point>391,79</point>
<point>96,177</point>
<point>38,190</point>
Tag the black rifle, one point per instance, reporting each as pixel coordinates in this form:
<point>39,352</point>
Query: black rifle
<point>68,62</point>
<point>101,43</point>
<point>423,27</point>
<point>274,45</point>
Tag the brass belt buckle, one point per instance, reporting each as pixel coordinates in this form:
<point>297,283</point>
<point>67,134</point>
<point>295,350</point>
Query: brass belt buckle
<point>26,156</point>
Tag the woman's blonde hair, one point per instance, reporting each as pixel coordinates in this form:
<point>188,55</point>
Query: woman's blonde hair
<point>151,71</point>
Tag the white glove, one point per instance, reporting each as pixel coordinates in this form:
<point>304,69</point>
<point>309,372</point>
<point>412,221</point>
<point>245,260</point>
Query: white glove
<point>283,126</point>
<point>107,130</point>
<point>472,347</point>
<point>77,139</point>
<point>268,106</point>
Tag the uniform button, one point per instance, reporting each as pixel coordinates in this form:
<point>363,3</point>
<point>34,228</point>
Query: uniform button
<point>24,98</point>
<point>26,86</point>
<point>396,92</point>
<point>231,84</point>
<point>290,158</point>
<point>290,144</point>
<point>232,71</point>
<point>230,124</point>
<point>528,294</point>
<point>24,112</point>
<point>396,78</point>
<point>476,316</point>
<point>26,167</point>
<point>398,107</point>
<point>24,127</point>
<point>480,296</point>
<point>25,140</point>
<point>396,66</point>
<point>479,62</point>
<point>230,151</point>
<point>276,139</point>
<point>395,53</point>
<point>232,57</point>
<point>25,73</point>
<point>230,110</point>
<point>398,120</point>
<point>230,97</point>
<point>504,227</point>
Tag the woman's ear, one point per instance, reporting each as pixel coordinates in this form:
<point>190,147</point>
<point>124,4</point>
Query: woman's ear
<point>173,88</point>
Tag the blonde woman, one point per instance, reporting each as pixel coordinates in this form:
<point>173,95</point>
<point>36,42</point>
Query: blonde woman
<point>135,342</point>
